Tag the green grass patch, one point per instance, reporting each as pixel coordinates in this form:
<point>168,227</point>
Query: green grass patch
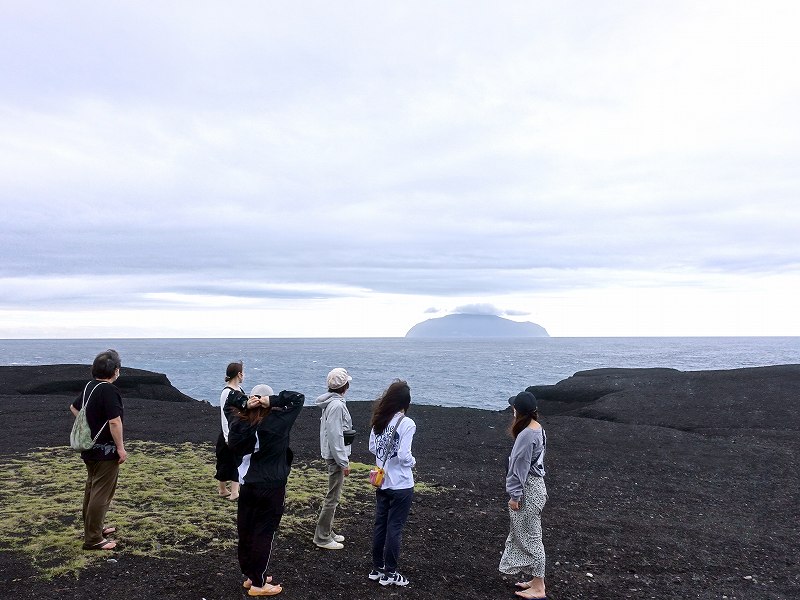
<point>166,503</point>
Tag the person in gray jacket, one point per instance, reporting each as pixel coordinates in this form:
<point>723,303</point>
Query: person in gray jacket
<point>335,420</point>
<point>524,551</point>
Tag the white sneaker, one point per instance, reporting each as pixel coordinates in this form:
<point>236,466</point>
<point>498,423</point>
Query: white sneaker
<point>332,545</point>
<point>337,538</point>
<point>375,574</point>
<point>393,579</point>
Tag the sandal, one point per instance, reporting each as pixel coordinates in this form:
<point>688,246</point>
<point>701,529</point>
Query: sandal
<point>109,530</point>
<point>104,545</point>
<point>247,584</point>
<point>267,590</point>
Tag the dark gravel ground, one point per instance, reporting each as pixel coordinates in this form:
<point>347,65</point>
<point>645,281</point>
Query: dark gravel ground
<point>675,485</point>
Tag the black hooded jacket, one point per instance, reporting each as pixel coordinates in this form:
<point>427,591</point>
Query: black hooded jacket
<point>262,450</point>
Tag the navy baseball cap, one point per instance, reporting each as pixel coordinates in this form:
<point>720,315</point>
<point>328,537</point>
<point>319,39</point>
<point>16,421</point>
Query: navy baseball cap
<point>524,402</point>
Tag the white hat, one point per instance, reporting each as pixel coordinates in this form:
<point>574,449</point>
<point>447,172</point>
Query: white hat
<point>262,389</point>
<point>337,378</point>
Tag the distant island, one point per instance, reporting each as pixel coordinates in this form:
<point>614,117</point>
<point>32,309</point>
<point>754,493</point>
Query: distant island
<point>475,326</point>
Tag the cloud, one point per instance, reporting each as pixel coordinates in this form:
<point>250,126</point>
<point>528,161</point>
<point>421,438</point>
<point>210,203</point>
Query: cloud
<point>148,162</point>
<point>477,309</point>
<point>483,308</point>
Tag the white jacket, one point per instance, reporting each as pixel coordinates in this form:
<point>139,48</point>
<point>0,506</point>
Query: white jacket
<point>397,444</point>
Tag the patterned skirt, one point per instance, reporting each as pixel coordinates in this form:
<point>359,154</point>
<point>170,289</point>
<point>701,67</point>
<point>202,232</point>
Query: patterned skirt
<point>524,551</point>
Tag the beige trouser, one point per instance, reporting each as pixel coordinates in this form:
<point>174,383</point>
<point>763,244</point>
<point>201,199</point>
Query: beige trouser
<point>324,532</point>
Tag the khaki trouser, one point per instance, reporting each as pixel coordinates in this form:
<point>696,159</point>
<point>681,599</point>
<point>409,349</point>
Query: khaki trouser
<point>324,531</point>
<point>101,483</point>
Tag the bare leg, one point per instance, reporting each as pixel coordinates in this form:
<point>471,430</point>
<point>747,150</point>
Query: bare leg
<point>234,490</point>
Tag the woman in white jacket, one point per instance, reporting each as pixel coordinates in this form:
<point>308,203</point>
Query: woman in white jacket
<point>390,442</point>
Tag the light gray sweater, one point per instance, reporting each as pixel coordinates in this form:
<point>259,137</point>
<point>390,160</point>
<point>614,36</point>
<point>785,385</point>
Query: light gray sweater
<point>334,421</point>
<point>527,458</point>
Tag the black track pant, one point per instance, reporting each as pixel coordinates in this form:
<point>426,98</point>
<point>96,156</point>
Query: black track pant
<point>259,514</point>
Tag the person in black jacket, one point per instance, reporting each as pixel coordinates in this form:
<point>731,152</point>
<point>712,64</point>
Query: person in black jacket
<point>260,437</point>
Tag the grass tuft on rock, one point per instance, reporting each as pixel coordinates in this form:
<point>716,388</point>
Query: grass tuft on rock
<point>166,503</point>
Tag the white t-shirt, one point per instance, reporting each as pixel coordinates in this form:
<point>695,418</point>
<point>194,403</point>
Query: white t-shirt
<point>397,443</point>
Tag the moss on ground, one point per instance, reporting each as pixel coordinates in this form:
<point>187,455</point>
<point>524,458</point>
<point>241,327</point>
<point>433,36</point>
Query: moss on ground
<point>166,504</point>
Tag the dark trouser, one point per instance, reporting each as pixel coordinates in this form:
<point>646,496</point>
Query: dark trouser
<point>259,514</point>
<point>324,530</point>
<point>227,469</point>
<point>101,483</point>
<point>391,512</point>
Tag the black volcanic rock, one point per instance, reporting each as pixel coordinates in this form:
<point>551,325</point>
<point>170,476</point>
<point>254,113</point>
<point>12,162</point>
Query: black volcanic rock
<point>70,380</point>
<point>753,398</point>
<point>475,326</point>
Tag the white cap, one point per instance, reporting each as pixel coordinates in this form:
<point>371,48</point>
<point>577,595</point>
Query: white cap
<point>337,378</point>
<point>262,389</point>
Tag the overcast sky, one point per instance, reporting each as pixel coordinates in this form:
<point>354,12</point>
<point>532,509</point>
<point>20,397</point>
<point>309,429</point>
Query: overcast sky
<point>295,169</point>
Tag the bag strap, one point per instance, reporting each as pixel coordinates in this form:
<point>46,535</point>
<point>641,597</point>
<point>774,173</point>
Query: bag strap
<point>389,452</point>
<point>86,403</point>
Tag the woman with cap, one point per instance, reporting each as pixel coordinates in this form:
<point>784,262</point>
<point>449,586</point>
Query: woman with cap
<point>259,437</point>
<point>524,551</point>
<point>335,451</point>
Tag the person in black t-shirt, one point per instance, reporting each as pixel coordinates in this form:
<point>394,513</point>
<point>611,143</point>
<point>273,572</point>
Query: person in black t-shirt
<point>104,414</point>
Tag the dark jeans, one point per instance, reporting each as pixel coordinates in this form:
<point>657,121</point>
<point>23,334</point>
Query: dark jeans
<point>391,512</point>
<point>257,519</point>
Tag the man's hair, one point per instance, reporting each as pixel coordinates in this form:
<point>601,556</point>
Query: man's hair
<point>105,364</point>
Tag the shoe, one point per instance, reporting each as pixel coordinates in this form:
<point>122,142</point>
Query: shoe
<point>375,574</point>
<point>337,538</point>
<point>393,579</point>
<point>332,545</point>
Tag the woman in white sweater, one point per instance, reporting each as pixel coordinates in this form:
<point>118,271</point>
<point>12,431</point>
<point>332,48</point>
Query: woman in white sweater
<point>390,442</point>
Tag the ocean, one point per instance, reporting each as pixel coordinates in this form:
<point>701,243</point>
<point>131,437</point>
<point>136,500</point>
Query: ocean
<point>478,373</point>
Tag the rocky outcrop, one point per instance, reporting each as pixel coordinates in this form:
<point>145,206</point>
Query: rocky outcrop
<point>69,380</point>
<point>758,397</point>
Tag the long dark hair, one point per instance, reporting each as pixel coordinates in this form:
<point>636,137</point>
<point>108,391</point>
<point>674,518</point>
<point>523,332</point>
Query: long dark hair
<point>395,398</point>
<point>521,421</point>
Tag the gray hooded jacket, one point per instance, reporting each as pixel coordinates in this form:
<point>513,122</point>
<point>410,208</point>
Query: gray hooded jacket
<point>335,419</point>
